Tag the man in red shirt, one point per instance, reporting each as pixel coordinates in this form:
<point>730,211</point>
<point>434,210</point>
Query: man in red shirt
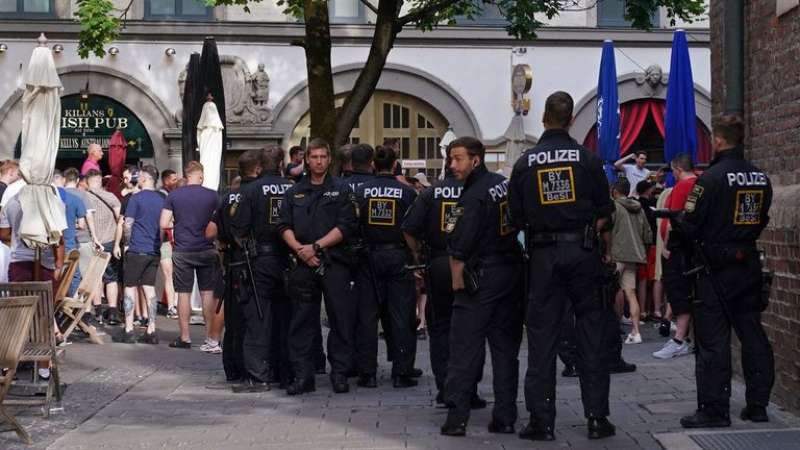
<point>675,261</point>
<point>93,156</point>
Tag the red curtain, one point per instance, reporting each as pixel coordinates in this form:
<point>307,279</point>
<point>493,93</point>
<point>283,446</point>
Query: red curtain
<point>633,116</point>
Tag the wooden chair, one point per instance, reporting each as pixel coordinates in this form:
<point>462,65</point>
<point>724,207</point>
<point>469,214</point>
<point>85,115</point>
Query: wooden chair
<point>16,314</point>
<point>73,308</point>
<point>41,345</point>
<point>70,266</point>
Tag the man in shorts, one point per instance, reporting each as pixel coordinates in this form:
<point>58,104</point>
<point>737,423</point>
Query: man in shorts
<point>143,237</point>
<point>192,207</point>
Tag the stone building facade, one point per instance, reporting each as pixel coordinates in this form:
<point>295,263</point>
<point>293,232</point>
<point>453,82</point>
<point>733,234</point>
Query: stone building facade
<point>772,114</point>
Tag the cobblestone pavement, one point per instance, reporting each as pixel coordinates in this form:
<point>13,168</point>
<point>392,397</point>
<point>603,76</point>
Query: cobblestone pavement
<point>142,397</point>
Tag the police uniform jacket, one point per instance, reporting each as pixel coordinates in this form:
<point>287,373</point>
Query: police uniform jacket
<point>383,203</point>
<point>428,216</point>
<point>730,201</point>
<point>357,178</point>
<point>312,211</point>
<point>258,212</point>
<point>480,226</point>
<point>558,186</point>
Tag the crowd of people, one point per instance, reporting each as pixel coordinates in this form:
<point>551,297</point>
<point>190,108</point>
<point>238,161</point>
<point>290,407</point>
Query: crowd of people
<point>384,251</point>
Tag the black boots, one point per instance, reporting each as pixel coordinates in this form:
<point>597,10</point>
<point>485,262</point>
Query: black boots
<point>754,414</point>
<point>601,428</point>
<point>706,418</point>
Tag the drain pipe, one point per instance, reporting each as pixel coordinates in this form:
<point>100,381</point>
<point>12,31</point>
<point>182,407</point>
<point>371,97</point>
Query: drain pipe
<point>734,56</point>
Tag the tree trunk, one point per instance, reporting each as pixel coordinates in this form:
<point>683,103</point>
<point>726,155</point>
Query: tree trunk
<point>318,66</point>
<point>386,29</point>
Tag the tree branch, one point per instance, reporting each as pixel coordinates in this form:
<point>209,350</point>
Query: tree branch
<point>432,7</point>
<point>370,6</point>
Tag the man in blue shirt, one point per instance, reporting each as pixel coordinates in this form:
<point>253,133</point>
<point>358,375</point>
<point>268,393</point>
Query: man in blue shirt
<point>76,219</point>
<point>142,235</point>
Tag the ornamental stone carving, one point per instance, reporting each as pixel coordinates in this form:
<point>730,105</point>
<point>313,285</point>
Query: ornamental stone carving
<point>652,81</point>
<point>246,94</point>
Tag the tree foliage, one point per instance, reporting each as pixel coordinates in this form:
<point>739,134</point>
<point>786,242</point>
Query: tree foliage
<point>100,25</point>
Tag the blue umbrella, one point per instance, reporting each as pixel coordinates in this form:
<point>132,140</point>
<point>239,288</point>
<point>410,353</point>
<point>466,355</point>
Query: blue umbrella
<point>608,111</point>
<point>680,121</point>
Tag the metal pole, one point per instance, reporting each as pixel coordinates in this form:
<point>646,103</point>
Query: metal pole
<point>733,54</point>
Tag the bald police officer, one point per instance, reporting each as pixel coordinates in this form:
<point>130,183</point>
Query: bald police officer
<point>726,212</point>
<point>383,277</point>
<point>318,216</point>
<point>557,192</point>
<point>485,263</point>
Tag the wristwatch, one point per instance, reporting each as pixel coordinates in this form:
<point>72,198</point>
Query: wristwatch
<point>316,247</point>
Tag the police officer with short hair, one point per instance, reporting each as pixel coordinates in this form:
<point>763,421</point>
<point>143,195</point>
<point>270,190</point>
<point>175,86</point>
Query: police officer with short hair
<point>485,263</point>
<point>558,191</point>
<point>318,216</point>
<point>361,156</point>
<point>383,277</point>
<point>255,226</point>
<point>725,214</point>
<point>233,259</point>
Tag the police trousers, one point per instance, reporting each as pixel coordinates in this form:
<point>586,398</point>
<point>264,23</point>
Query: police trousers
<point>493,312</point>
<point>279,328</point>
<point>563,276</point>
<point>232,356</point>
<point>713,339</point>
<point>383,279</point>
<point>438,312</point>
<point>305,287</point>
<point>257,345</point>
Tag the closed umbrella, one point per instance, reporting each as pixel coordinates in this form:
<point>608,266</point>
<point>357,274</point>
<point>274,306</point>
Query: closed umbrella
<point>211,81</point>
<point>209,141</point>
<point>515,134</point>
<point>43,216</point>
<point>680,120</point>
<point>449,136</point>
<point>193,98</point>
<point>117,152</point>
<point>608,111</point>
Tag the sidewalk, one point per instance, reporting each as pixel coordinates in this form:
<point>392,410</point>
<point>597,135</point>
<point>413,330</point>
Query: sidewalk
<point>138,396</point>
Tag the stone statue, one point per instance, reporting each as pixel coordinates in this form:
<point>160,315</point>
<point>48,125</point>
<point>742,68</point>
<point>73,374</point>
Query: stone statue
<point>260,81</point>
<point>652,80</point>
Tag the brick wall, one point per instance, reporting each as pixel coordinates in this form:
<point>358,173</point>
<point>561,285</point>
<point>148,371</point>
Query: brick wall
<point>772,114</point>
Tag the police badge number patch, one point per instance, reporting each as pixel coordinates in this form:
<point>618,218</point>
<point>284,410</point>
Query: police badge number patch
<point>694,196</point>
<point>446,212</point>
<point>232,210</point>
<point>748,207</point>
<point>381,212</point>
<point>505,219</point>
<point>452,219</point>
<point>556,185</point>
<point>275,209</point>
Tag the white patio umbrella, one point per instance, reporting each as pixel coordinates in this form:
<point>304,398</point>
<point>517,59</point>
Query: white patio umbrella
<point>449,136</point>
<point>209,143</point>
<point>43,216</point>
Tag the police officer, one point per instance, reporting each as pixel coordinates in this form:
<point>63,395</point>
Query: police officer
<point>485,262</point>
<point>317,218</point>
<point>383,277</point>
<point>558,190</point>
<point>424,230</point>
<point>255,226</point>
<point>360,162</point>
<point>726,212</point>
<point>232,356</point>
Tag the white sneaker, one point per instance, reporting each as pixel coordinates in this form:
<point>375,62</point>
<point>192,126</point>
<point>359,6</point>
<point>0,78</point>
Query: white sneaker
<point>44,373</point>
<point>626,320</point>
<point>672,350</point>
<point>211,347</point>
<point>633,338</point>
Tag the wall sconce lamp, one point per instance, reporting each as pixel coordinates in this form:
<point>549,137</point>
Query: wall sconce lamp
<point>3,48</point>
<point>170,52</point>
<point>58,48</point>
<point>113,51</point>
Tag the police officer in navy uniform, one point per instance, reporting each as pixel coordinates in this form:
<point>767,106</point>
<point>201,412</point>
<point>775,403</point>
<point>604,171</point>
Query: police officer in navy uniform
<point>383,277</point>
<point>361,163</point>
<point>424,230</point>
<point>558,191</point>
<point>233,258</point>
<point>318,217</point>
<point>725,213</point>
<point>485,265</point>
<point>254,225</point>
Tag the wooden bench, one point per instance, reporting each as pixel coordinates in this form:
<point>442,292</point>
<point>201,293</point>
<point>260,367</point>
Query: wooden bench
<point>41,345</point>
<point>16,315</point>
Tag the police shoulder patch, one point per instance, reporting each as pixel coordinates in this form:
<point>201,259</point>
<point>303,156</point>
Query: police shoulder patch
<point>694,196</point>
<point>299,195</point>
<point>452,219</point>
<point>232,211</point>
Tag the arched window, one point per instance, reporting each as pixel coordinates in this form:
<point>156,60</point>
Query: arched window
<point>417,126</point>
